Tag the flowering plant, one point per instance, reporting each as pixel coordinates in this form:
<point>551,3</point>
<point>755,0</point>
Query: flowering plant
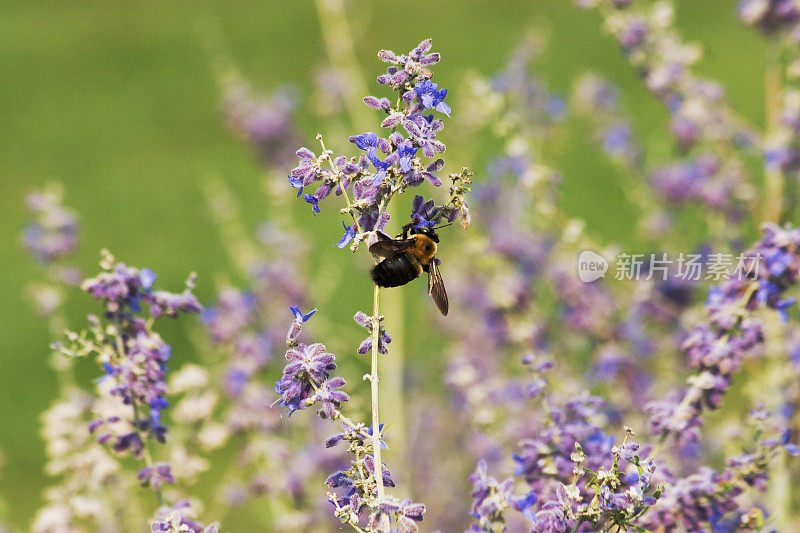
<point>553,398</point>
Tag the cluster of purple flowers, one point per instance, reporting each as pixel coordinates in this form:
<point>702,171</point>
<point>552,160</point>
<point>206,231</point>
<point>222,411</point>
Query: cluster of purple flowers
<point>705,175</point>
<point>573,476</point>
<point>307,381</point>
<point>704,127</point>
<point>703,178</point>
<point>717,348</point>
<point>133,356</point>
<point>553,493</point>
<point>388,165</point>
<point>491,497</point>
<point>124,289</point>
<point>699,112</point>
<point>306,378</point>
<point>707,498</point>
<point>356,487</point>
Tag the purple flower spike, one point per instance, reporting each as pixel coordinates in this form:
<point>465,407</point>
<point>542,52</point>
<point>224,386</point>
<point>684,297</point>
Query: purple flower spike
<point>312,359</point>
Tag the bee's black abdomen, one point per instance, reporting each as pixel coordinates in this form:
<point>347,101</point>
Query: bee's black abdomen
<point>395,271</point>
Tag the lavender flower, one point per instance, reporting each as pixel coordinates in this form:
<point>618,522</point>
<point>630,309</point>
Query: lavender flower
<point>133,357</point>
<point>771,16</point>
<point>307,381</point>
<point>717,348</point>
<point>306,377</point>
<point>429,96</point>
<point>297,323</point>
<point>388,165</point>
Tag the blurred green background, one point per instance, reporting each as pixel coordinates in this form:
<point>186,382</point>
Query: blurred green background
<point>119,102</point>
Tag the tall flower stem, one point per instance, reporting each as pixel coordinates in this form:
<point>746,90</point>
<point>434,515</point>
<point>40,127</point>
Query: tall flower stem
<point>394,403</point>
<point>773,179</point>
<point>341,51</point>
<point>776,371</point>
<point>376,431</point>
<point>338,41</point>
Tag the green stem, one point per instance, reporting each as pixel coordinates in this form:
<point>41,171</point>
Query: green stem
<point>341,52</point>
<point>376,432</point>
<point>773,180</point>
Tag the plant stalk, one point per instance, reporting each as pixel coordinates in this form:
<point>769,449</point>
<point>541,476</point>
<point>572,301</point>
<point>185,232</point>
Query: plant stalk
<point>773,179</point>
<point>376,432</point>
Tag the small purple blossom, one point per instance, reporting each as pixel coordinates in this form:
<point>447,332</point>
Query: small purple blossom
<point>330,396</point>
<point>422,130</point>
<point>424,214</point>
<point>314,201</point>
<point>406,151</point>
<point>308,170</point>
<point>313,360</point>
<point>431,97</point>
<point>347,236</point>
<point>156,475</point>
<point>367,142</point>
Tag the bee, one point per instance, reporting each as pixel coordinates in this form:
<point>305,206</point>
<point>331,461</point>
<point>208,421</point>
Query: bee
<point>408,257</point>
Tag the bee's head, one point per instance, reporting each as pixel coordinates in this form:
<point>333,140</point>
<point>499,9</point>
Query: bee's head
<point>428,231</point>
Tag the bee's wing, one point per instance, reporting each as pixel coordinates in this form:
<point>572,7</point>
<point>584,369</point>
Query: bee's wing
<point>436,288</point>
<point>385,246</point>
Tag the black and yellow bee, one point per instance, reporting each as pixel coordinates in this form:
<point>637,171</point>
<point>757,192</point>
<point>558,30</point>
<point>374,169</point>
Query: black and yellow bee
<point>408,257</point>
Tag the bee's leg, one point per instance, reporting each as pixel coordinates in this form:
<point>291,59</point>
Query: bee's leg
<point>406,228</point>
